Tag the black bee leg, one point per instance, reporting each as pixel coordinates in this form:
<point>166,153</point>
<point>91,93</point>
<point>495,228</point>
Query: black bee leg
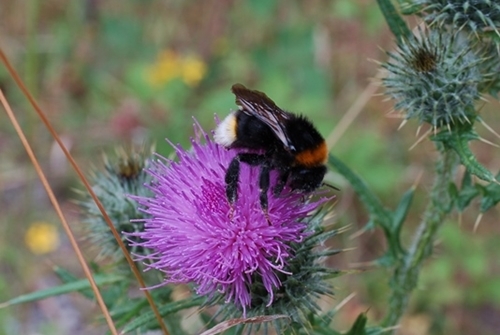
<point>232,178</point>
<point>233,175</point>
<point>263,188</point>
<point>264,179</point>
<point>281,183</point>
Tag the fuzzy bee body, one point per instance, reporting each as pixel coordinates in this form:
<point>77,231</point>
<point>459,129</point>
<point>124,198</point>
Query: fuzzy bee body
<point>274,140</point>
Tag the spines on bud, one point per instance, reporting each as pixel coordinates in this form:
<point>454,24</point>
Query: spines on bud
<point>474,16</point>
<point>433,77</point>
<point>123,175</point>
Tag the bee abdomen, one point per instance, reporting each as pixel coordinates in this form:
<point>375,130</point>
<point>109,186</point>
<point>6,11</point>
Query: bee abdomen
<point>312,157</point>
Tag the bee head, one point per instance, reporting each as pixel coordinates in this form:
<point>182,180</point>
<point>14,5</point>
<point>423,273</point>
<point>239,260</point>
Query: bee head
<point>307,179</point>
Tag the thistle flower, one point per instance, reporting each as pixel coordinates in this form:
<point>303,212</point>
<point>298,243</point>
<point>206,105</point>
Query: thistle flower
<point>123,175</point>
<point>473,15</point>
<point>196,237</point>
<point>434,78</point>
<point>304,281</point>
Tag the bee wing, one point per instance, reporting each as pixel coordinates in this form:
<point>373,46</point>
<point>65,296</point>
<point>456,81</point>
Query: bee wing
<point>258,104</point>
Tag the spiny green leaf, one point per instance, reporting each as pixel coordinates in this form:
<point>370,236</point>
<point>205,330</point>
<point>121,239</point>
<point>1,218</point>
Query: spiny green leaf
<point>330,252</point>
<point>467,192</point>
<point>396,24</point>
<point>458,139</point>
<point>208,320</point>
<point>408,7</point>
<point>324,319</point>
<point>359,326</point>
<point>126,311</point>
<point>388,259</point>
<point>171,308</point>
<point>399,215</point>
<point>370,225</point>
<point>378,213</point>
<point>491,196</point>
<point>402,210</point>
<point>453,191</point>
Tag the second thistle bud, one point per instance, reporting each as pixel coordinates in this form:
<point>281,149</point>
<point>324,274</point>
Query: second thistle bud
<point>434,78</point>
<point>123,175</point>
<point>475,16</point>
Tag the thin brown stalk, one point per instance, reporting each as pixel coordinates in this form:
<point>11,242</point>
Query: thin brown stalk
<point>57,208</point>
<point>85,182</point>
<point>352,114</point>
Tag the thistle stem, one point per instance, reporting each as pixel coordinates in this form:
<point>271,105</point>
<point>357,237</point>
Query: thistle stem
<point>406,272</point>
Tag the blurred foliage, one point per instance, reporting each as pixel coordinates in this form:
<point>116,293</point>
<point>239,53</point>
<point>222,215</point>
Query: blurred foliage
<point>91,65</point>
<point>469,265</point>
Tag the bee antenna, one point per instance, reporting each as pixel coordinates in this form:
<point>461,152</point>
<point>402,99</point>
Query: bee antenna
<point>330,186</point>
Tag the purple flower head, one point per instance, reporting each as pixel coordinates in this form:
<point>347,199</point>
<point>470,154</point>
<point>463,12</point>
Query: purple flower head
<point>194,237</point>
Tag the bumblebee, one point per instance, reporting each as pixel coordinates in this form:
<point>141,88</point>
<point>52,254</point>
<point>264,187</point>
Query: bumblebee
<point>272,139</point>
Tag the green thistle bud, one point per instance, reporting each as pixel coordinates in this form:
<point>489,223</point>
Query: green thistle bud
<point>434,78</point>
<point>475,16</point>
<point>123,175</point>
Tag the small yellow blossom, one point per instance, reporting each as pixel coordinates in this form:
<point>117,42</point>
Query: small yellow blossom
<point>166,68</point>
<point>169,66</point>
<point>193,71</point>
<point>42,238</point>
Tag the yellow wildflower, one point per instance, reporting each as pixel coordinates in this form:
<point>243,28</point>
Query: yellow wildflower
<point>193,71</point>
<point>42,238</point>
<point>166,68</point>
<point>170,66</point>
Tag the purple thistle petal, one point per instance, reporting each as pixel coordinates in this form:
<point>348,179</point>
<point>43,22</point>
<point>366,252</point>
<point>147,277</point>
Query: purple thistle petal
<point>192,237</point>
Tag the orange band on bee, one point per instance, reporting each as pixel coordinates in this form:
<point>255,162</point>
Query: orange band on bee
<point>313,157</point>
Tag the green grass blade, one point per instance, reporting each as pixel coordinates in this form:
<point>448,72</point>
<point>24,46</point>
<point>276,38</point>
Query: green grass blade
<point>79,285</point>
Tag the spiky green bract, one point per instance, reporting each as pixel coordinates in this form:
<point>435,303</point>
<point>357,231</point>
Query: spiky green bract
<point>299,291</point>
<point>490,68</point>
<point>434,79</point>
<point>475,16</point>
<point>123,175</point>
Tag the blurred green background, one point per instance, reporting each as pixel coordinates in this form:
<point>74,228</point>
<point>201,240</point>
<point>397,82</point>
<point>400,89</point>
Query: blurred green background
<point>122,72</point>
